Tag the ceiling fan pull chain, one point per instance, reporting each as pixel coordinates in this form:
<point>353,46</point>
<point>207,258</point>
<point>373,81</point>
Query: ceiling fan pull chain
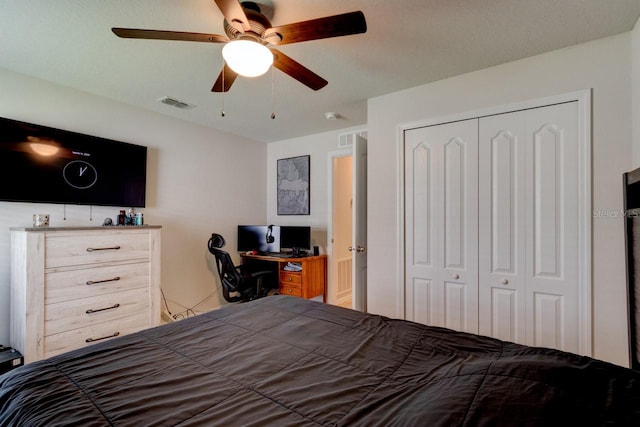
<point>224,64</point>
<point>273,103</point>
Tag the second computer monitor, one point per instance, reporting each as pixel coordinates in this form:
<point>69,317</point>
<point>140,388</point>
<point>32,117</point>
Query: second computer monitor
<point>295,238</point>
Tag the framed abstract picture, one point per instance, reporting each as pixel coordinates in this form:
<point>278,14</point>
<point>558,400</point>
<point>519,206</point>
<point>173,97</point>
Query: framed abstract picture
<point>293,186</point>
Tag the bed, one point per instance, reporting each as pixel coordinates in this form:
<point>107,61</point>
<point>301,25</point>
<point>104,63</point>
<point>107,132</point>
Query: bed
<point>286,361</point>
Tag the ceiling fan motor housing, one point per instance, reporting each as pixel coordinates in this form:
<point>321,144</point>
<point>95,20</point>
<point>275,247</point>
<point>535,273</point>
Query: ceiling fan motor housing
<point>258,23</point>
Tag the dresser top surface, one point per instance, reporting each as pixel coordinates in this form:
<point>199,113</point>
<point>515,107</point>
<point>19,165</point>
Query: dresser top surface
<point>112,227</point>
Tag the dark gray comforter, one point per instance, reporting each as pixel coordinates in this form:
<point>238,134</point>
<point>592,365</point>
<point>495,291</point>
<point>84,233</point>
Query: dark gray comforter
<point>286,361</point>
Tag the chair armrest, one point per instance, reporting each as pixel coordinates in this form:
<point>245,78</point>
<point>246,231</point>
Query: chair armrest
<point>260,273</point>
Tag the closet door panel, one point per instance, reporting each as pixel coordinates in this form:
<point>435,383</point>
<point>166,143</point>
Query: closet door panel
<point>459,225</point>
<point>423,304</point>
<point>456,309</point>
<point>422,152</point>
<point>505,312</point>
<point>501,226</point>
<point>552,227</point>
<point>441,209</point>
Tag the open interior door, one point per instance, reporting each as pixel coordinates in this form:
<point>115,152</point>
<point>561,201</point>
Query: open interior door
<point>359,241</point>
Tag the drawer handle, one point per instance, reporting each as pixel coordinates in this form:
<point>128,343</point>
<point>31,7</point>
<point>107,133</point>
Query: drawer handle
<point>102,338</point>
<point>290,290</point>
<point>112,248</point>
<point>90,311</point>
<point>290,278</point>
<point>93,282</point>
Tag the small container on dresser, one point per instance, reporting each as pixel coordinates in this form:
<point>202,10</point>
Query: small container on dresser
<point>72,287</point>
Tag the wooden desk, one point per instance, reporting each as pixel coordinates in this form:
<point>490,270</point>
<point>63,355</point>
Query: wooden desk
<point>308,283</point>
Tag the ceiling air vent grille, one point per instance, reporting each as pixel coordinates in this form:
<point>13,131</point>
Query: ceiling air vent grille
<point>345,141</point>
<point>175,103</point>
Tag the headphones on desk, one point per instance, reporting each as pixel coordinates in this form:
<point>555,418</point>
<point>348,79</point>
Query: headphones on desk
<point>269,237</point>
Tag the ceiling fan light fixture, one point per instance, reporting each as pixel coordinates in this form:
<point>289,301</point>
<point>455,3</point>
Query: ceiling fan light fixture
<point>247,58</point>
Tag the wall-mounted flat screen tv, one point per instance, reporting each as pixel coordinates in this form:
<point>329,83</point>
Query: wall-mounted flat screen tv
<point>48,165</point>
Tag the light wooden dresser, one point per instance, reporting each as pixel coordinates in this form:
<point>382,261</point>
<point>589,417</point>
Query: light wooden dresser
<point>72,287</point>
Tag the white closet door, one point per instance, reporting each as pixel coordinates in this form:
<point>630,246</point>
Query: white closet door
<point>552,206</point>
<point>528,227</point>
<point>441,223</point>
<point>421,154</point>
<point>501,200</point>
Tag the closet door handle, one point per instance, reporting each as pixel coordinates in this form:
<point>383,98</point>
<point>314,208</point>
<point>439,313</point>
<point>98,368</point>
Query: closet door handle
<point>112,248</point>
<point>505,281</point>
<point>456,276</point>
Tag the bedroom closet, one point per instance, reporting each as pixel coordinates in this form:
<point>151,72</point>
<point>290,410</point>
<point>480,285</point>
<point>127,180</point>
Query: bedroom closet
<point>496,210</point>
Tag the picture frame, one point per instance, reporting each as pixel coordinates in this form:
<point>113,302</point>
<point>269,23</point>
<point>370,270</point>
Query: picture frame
<point>293,185</point>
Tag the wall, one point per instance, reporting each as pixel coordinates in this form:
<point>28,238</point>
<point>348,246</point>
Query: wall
<point>193,187</point>
<point>635,92</point>
<point>603,65</point>
<point>318,146</point>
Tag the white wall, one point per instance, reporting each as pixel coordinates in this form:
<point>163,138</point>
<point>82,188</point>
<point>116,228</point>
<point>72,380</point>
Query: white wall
<point>603,65</point>
<point>199,181</point>
<point>318,146</point>
<point>635,92</point>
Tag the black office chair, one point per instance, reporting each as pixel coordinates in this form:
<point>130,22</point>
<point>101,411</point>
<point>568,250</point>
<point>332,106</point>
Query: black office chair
<point>238,284</point>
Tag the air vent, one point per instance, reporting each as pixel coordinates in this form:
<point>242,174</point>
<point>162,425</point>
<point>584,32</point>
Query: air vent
<point>346,141</point>
<point>175,103</point>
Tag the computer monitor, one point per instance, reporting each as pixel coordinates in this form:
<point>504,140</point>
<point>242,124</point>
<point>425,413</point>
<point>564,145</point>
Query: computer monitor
<point>261,238</point>
<point>295,238</point>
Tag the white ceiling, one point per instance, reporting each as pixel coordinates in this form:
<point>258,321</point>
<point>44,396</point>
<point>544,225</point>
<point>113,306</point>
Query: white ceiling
<point>407,43</point>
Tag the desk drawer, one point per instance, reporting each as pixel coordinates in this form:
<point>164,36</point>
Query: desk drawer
<point>288,278</point>
<point>68,250</point>
<point>290,289</point>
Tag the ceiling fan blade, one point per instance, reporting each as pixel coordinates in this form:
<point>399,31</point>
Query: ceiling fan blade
<point>298,71</point>
<point>228,76</point>
<point>133,33</point>
<point>234,14</point>
<point>321,28</point>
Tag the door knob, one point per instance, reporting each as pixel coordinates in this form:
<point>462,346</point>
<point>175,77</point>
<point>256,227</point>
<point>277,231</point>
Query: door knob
<point>360,249</point>
<point>456,276</point>
<point>505,281</point>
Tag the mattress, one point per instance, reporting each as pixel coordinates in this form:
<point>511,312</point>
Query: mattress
<point>286,361</point>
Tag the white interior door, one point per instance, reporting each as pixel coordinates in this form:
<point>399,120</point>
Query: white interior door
<point>528,258</point>
<point>359,241</point>
<point>441,223</point>
<point>502,222</point>
<point>552,204</point>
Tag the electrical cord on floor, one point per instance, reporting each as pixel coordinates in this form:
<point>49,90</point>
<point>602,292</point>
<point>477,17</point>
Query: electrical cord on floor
<point>164,299</point>
<point>188,311</point>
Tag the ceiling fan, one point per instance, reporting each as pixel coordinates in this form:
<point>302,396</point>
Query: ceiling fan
<point>245,26</point>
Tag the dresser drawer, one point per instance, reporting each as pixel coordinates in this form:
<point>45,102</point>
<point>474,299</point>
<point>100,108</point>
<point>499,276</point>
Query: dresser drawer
<point>91,248</point>
<point>71,340</point>
<point>83,313</point>
<point>290,289</point>
<point>287,277</point>
<point>81,283</point>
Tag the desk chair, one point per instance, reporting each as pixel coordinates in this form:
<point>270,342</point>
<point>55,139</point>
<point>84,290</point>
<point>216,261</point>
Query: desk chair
<point>238,284</point>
